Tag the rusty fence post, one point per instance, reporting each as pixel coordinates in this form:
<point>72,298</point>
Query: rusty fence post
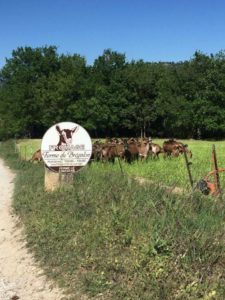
<point>188,168</point>
<point>215,173</point>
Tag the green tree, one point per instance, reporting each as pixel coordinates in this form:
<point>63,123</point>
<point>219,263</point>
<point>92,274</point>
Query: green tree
<point>19,76</point>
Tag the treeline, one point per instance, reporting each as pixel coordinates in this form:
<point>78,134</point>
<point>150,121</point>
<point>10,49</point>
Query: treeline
<point>113,97</point>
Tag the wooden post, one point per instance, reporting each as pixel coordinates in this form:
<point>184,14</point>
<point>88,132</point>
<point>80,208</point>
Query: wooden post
<point>215,173</point>
<point>188,168</point>
<point>65,178</point>
<point>55,180</point>
<point>51,180</point>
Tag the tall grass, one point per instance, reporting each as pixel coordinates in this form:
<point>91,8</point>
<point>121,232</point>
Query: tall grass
<point>109,236</point>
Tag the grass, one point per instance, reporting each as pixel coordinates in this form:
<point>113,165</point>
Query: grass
<point>171,172</point>
<point>109,236</point>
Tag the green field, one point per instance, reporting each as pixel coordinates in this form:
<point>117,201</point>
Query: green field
<point>171,171</point>
<point>27,147</point>
<point>111,238</point>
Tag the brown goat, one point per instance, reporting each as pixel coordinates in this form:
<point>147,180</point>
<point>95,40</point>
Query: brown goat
<point>36,156</point>
<point>112,150</point>
<point>155,150</point>
<point>174,148</point>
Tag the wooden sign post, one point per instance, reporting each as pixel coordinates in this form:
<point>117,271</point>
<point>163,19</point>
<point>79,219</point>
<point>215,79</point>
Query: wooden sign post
<point>51,180</point>
<point>66,148</point>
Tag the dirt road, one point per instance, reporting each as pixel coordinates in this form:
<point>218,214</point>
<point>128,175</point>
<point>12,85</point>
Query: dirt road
<point>19,276</point>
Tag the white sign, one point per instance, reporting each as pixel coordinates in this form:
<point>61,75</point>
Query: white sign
<point>66,146</point>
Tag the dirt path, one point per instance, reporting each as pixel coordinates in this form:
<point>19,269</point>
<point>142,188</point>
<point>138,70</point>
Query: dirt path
<point>19,276</point>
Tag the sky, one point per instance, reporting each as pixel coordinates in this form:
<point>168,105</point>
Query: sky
<point>152,30</point>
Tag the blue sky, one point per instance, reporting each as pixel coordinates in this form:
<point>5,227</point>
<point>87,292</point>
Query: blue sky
<point>156,30</point>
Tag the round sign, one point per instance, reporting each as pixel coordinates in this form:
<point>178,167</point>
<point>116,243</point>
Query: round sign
<point>66,147</point>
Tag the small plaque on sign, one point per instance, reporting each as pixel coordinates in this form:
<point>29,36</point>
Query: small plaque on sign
<point>67,169</point>
<point>66,147</point>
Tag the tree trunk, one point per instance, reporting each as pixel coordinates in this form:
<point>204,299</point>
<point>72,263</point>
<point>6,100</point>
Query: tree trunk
<point>144,130</point>
<point>199,134</point>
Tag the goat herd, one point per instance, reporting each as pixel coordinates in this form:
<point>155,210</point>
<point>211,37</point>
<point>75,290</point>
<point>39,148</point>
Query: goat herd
<point>130,149</point>
<point>134,149</point>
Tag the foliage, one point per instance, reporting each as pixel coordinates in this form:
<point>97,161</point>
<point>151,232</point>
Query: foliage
<point>113,97</point>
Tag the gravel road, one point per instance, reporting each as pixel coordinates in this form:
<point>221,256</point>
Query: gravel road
<point>20,278</point>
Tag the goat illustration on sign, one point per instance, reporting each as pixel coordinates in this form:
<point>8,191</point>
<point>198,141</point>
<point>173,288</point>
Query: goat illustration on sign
<point>65,138</point>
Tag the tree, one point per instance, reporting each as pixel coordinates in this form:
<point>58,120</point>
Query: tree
<point>19,78</point>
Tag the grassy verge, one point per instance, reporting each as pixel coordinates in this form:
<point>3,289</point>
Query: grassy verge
<point>109,236</point>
